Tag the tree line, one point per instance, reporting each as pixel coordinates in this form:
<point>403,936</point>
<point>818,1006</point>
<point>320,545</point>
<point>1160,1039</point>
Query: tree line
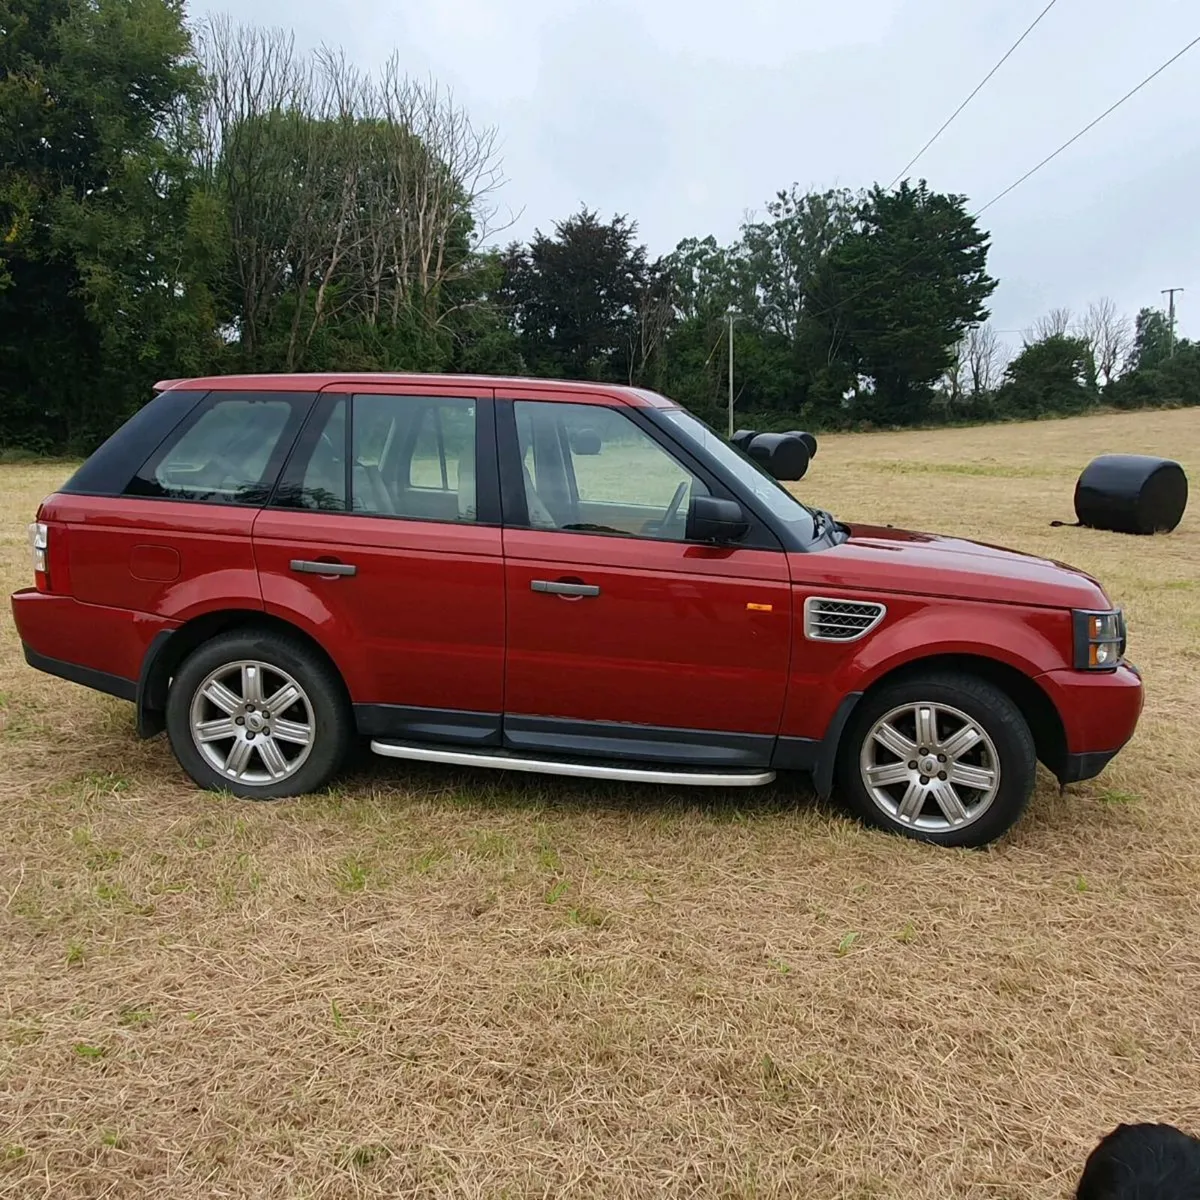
<point>178,201</point>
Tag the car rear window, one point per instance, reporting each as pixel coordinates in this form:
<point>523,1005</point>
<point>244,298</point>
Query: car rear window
<point>229,450</point>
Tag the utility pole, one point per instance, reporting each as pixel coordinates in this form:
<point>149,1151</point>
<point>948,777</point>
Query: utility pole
<point>1170,293</point>
<point>731,313</point>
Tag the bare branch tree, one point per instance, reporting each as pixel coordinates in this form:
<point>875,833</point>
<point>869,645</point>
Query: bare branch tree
<point>1056,323</point>
<point>1109,333</point>
<point>343,193</point>
<point>985,359</point>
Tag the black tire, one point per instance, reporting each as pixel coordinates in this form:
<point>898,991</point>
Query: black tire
<point>991,711</point>
<point>332,726</point>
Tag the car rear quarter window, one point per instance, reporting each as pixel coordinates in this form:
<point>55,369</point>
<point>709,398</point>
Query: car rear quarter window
<point>228,451</point>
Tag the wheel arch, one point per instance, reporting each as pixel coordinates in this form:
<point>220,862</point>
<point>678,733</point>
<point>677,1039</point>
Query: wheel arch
<point>171,646</point>
<point>1043,718</point>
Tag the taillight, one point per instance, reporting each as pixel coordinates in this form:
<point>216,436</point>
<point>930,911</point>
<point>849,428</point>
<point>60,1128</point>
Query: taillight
<point>39,546</point>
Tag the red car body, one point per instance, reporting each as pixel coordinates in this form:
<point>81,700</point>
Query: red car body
<point>690,652</point>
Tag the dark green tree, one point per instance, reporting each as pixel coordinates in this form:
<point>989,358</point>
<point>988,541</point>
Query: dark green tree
<point>901,289</point>
<point>1152,339</point>
<point>576,298</point>
<point>1054,375</point>
<point>104,242</point>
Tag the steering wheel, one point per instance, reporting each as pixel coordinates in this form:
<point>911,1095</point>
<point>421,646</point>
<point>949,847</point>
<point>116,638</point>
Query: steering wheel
<point>676,500</point>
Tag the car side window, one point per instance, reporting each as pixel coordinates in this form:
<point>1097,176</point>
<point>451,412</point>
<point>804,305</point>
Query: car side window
<point>590,469</point>
<point>411,456</point>
<point>414,456</point>
<point>228,451</point>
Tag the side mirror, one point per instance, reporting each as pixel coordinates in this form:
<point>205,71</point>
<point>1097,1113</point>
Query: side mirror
<point>586,441</point>
<point>713,520</point>
<point>784,455</point>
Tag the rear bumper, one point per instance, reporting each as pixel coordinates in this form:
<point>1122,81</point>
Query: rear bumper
<point>90,644</point>
<point>98,681</point>
<point>1099,713</point>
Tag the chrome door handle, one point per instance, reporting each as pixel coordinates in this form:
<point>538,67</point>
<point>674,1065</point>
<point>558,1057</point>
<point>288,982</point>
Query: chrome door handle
<point>322,568</point>
<point>555,588</point>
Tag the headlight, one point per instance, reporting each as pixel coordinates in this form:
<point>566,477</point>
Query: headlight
<point>1099,640</point>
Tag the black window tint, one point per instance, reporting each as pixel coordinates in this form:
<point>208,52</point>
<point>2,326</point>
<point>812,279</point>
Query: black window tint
<point>315,477</point>
<point>228,451</point>
<point>110,468</point>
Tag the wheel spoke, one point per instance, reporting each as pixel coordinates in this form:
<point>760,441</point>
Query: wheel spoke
<point>889,737</point>
<point>957,744</point>
<point>291,731</point>
<point>913,802</point>
<point>214,731</point>
<point>252,683</point>
<point>217,693</point>
<point>272,757</point>
<point>238,757</point>
<point>926,726</point>
<point>888,774</point>
<point>980,778</point>
<point>283,699</point>
<point>947,800</point>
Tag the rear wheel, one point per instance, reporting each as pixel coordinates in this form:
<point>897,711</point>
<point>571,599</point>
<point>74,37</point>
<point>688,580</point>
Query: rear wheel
<point>258,714</point>
<point>943,758</point>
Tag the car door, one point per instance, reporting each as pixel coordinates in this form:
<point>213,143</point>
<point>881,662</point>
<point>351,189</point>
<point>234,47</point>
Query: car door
<point>383,541</point>
<point>623,638</point>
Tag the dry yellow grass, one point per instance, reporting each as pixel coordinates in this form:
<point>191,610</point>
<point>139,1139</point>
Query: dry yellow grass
<point>429,984</point>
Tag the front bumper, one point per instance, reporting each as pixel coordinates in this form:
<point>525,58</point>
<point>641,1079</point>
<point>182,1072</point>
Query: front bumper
<point>1099,712</point>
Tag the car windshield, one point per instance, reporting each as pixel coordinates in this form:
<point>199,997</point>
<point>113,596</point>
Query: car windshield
<point>766,488</point>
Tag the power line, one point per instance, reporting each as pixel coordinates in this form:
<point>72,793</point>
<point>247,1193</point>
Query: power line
<point>1013,186</point>
<point>1092,125</point>
<point>978,89</point>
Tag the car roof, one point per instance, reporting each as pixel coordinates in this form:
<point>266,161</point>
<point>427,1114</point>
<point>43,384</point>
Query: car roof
<point>637,397</point>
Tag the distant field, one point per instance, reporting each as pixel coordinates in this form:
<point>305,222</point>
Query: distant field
<point>433,984</point>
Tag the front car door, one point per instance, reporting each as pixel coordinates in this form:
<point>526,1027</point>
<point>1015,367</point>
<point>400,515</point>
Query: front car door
<point>383,540</point>
<point>624,640</point>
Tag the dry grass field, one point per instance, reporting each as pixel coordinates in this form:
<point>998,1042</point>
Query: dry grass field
<point>432,984</point>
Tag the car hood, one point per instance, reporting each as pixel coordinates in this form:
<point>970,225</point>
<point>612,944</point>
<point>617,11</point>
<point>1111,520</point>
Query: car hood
<point>897,560</point>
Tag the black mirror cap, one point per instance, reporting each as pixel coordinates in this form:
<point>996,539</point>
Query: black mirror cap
<point>784,455</point>
<point>586,442</point>
<point>743,437</point>
<point>713,520</point>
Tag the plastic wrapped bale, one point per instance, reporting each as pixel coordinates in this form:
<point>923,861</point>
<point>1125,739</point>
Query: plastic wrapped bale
<point>1131,493</point>
<point>784,455</point>
<point>743,437</point>
<point>810,442</point>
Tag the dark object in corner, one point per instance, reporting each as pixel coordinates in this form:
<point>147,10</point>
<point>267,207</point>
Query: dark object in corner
<point>1142,1162</point>
<point>1131,493</point>
<point>784,455</point>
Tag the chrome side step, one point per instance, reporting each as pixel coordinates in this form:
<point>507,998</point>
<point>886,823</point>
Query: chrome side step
<point>503,760</point>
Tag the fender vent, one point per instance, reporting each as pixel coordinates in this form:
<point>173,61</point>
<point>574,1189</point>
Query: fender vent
<point>827,620</point>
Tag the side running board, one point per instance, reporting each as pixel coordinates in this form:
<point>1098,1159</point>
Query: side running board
<point>503,760</point>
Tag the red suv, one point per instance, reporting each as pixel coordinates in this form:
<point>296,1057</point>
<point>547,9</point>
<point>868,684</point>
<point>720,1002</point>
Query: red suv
<point>565,578</point>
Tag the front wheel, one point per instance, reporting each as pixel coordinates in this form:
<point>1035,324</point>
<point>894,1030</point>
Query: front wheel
<point>944,758</point>
<point>259,715</point>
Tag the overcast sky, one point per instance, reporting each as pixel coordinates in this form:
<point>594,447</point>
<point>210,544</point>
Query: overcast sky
<point>688,114</point>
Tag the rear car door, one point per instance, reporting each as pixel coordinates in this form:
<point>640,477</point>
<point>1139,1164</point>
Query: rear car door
<point>624,639</point>
<point>383,540</point>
